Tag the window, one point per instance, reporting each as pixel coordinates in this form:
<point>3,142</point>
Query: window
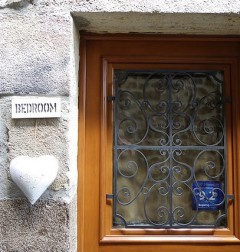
<point>169,149</point>
<point>158,137</point>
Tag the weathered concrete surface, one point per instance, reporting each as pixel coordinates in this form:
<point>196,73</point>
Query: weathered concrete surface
<point>3,158</point>
<point>151,6</point>
<point>161,23</point>
<point>14,4</point>
<point>43,227</point>
<point>39,56</point>
<point>35,54</point>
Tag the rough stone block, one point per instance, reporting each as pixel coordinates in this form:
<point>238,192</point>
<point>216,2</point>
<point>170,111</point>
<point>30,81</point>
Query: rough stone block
<point>35,52</point>
<point>44,227</point>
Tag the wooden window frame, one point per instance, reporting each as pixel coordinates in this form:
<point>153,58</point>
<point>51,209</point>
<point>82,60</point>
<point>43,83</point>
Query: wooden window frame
<point>103,52</point>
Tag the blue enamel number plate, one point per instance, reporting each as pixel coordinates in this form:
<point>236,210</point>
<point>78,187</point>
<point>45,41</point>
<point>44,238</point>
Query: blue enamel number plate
<point>207,195</point>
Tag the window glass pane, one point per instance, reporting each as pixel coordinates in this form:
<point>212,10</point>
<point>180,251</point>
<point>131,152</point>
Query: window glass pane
<point>169,149</point>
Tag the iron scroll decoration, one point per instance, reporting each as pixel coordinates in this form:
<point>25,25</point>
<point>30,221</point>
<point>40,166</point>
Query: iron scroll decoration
<point>169,149</point>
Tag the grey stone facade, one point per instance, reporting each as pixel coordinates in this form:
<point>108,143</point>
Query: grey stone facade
<point>39,48</point>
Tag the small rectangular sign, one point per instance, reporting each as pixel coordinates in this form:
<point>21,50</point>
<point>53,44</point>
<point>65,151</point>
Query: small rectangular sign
<point>36,107</point>
<point>207,195</point>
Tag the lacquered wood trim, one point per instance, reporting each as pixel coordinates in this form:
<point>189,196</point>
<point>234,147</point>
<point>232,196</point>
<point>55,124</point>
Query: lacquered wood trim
<point>216,234</point>
<point>91,190</point>
<point>180,239</point>
<point>118,60</point>
<point>236,142</point>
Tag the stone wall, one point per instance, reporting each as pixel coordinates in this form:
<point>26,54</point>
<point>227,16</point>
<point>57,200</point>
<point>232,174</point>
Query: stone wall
<point>39,43</point>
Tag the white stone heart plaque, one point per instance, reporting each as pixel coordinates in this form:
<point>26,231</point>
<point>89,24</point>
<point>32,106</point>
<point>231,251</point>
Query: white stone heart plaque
<point>33,175</point>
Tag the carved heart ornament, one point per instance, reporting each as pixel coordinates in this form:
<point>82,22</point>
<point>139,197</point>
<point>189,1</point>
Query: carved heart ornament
<point>33,175</point>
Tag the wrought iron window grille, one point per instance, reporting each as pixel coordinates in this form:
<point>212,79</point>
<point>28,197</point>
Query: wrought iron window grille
<point>169,149</point>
